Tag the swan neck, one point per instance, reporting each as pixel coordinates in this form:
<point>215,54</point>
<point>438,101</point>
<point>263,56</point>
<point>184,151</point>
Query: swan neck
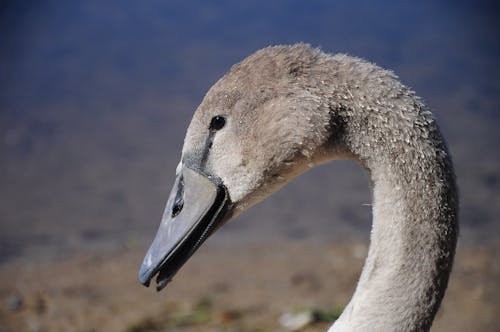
<point>409,259</point>
<point>414,228</point>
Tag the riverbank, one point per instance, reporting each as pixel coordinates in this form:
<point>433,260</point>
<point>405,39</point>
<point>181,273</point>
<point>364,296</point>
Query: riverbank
<point>223,288</point>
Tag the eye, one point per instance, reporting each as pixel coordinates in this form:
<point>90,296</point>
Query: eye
<point>217,123</point>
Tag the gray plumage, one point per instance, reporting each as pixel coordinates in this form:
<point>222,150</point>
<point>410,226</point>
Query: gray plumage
<point>289,108</point>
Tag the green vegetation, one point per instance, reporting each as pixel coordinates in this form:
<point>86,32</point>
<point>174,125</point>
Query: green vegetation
<point>172,318</point>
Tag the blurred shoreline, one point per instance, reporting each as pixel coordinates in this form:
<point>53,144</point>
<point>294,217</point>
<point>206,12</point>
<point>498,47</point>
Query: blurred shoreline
<point>249,286</point>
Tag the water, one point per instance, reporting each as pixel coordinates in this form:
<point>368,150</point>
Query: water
<point>95,97</point>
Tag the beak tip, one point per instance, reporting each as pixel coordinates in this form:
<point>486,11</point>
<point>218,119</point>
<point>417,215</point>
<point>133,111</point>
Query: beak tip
<point>145,275</point>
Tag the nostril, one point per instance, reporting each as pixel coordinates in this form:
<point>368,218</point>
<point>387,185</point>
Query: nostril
<point>177,207</point>
<point>179,200</point>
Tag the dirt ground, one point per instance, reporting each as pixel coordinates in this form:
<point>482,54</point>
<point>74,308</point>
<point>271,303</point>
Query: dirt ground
<point>223,288</point>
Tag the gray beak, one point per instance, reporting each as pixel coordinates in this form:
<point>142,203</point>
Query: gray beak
<point>196,207</point>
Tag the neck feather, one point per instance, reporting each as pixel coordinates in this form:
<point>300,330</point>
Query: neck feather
<point>409,260</point>
<point>415,226</point>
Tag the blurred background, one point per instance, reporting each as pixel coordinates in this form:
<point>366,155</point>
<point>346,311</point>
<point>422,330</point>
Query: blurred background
<point>95,98</point>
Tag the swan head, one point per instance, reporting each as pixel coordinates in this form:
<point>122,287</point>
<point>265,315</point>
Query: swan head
<point>256,128</point>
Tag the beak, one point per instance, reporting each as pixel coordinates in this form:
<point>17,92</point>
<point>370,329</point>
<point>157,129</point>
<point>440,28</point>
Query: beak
<point>195,209</point>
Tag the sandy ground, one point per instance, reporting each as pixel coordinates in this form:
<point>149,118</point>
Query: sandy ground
<point>223,288</point>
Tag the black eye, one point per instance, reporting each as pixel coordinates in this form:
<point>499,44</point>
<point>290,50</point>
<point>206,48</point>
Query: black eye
<point>217,123</point>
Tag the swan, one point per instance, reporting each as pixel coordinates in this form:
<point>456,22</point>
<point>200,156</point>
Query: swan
<point>286,109</point>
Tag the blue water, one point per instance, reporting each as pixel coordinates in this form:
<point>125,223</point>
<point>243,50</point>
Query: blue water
<point>95,97</point>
